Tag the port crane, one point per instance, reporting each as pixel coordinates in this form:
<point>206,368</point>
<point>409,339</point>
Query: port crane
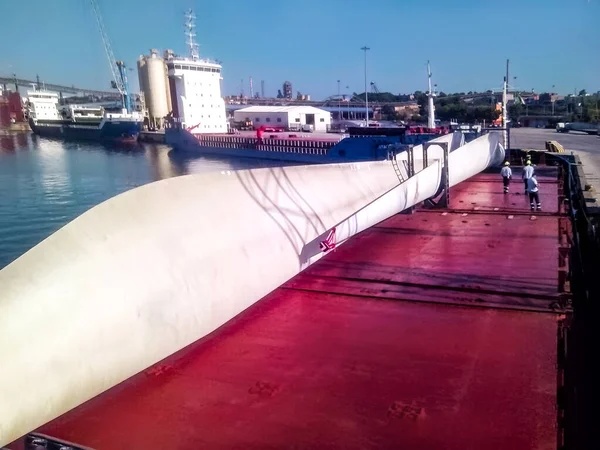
<point>374,88</point>
<point>118,69</point>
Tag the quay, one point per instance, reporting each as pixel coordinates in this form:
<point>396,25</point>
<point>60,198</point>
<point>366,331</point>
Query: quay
<point>437,328</point>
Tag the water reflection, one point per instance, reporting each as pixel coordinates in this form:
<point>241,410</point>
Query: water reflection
<point>163,167</point>
<point>45,183</point>
<point>7,143</point>
<point>53,170</point>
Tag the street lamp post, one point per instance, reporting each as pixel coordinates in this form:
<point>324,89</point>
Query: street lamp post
<point>339,104</point>
<point>365,49</point>
<point>349,99</point>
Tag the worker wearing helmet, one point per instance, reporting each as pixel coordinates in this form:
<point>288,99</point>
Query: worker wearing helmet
<point>527,173</point>
<point>534,196</point>
<point>506,176</point>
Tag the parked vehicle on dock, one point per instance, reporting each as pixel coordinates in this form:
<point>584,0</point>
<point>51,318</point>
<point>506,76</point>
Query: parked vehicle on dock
<point>589,128</point>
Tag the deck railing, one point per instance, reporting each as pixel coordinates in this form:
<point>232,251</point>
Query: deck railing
<point>300,146</point>
<point>577,340</point>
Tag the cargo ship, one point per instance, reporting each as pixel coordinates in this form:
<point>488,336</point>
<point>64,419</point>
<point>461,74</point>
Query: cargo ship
<point>47,118</point>
<point>198,123</point>
<point>409,331</point>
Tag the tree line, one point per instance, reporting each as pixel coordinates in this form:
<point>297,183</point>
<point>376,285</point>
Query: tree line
<point>482,106</point>
<point>447,107</point>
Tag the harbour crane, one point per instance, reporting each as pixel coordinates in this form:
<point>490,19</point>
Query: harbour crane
<point>117,68</point>
<point>374,88</point>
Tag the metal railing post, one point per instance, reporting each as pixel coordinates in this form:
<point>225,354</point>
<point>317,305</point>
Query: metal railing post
<point>446,176</point>
<point>411,161</point>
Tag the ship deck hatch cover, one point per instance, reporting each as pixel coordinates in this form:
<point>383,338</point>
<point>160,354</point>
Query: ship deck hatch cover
<point>431,330</point>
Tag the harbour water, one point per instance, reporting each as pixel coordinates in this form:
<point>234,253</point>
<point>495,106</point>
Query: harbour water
<point>44,183</point>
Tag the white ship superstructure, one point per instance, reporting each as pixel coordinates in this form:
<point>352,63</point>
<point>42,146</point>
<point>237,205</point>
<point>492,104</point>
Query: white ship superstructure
<point>195,86</point>
<point>196,95</point>
<point>42,105</point>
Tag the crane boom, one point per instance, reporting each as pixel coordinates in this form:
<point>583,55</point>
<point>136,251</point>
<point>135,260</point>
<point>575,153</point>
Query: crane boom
<point>117,68</point>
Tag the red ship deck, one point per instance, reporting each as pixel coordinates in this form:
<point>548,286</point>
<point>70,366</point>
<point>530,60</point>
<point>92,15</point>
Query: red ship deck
<point>429,331</point>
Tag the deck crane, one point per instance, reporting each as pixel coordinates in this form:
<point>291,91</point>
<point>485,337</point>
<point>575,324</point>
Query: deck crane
<point>118,69</point>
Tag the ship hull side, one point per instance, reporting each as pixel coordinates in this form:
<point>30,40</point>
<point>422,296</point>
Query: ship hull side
<point>347,150</point>
<point>108,132</point>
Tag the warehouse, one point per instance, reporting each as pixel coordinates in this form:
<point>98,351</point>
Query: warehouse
<point>289,117</point>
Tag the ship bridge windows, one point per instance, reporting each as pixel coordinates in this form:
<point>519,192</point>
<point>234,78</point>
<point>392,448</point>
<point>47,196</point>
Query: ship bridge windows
<point>177,66</point>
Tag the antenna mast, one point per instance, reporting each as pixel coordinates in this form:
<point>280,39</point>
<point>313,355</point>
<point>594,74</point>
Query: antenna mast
<point>430,105</point>
<point>505,119</point>
<point>190,27</point>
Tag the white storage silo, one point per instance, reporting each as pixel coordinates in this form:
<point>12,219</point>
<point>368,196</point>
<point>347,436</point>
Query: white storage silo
<point>153,83</point>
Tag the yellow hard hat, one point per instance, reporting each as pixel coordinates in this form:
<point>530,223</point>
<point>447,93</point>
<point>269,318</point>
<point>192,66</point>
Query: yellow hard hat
<point>507,163</point>
<point>528,162</point>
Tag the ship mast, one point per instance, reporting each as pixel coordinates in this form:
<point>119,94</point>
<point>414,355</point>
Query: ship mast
<point>430,105</point>
<point>505,119</point>
<point>190,32</point>
<point>505,112</point>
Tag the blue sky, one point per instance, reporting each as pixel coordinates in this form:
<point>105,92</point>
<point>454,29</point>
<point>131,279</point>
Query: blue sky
<point>314,43</point>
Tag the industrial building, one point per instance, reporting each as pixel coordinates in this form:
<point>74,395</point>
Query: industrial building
<point>289,117</point>
<point>152,73</point>
<point>287,90</point>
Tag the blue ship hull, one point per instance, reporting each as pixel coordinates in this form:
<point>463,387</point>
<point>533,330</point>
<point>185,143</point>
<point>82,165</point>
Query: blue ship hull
<point>353,149</point>
<point>109,131</point>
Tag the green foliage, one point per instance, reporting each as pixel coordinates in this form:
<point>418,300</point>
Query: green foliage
<point>462,112</point>
<point>452,106</point>
<point>591,108</point>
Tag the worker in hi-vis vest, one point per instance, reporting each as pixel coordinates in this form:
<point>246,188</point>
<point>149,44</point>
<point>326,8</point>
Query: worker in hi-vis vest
<point>527,173</point>
<point>506,176</point>
<point>534,196</point>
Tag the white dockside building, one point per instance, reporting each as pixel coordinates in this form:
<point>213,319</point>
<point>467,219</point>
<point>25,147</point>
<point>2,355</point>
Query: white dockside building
<point>289,117</point>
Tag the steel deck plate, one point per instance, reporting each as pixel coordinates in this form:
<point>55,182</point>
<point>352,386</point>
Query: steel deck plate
<point>337,358</point>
